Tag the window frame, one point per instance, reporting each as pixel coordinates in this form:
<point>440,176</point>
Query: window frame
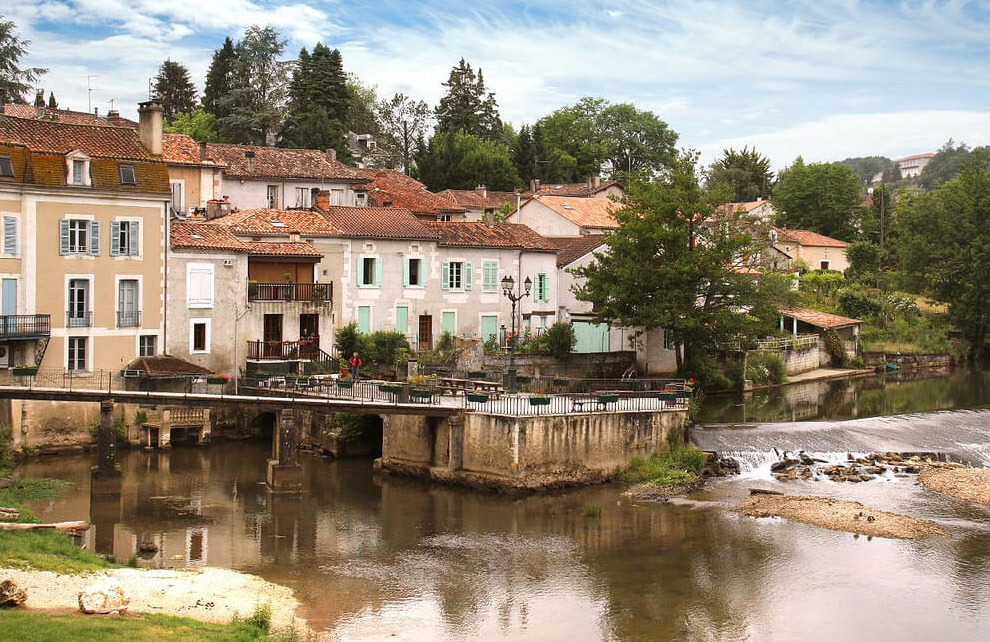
<point>376,271</point>
<point>143,348</point>
<point>75,317</point>
<point>207,335</point>
<point>10,231</point>
<point>72,345</point>
<point>204,302</point>
<point>6,161</point>
<point>489,269</point>
<point>125,238</point>
<point>272,197</point>
<point>122,171</point>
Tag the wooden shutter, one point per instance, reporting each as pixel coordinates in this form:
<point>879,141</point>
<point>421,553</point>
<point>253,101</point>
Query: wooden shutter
<point>445,275</point>
<point>134,239</point>
<point>63,236</point>
<point>405,273</point>
<point>115,238</point>
<point>94,238</point>
<point>468,276</point>
<point>378,272</point>
<point>9,235</point>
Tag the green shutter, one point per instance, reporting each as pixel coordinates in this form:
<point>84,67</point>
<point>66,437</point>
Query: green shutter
<point>405,273</point>
<point>423,273</point>
<point>447,322</point>
<point>468,276</point>
<point>402,319</point>
<point>364,319</point>
<point>360,271</point>
<point>489,276</point>
<point>445,275</point>
<point>378,272</point>
<point>489,327</point>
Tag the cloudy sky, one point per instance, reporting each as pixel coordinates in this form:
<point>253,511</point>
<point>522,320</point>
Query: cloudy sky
<point>825,79</point>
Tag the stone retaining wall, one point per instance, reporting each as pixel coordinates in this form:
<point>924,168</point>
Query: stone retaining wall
<point>909,361</point>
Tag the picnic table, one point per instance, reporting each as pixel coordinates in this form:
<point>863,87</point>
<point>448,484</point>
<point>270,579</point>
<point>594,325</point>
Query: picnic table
<point>454,386</point>
<point>603,400</point>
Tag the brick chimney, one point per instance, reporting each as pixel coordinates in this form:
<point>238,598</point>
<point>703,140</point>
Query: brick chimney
<point>150,125</point>
<point>482,191</point>
<point>534,184</point>
<point>203,155</point>
<point>322,200</point>
<point>113,117</point>
<point>331,154</point>
<point>594,181</point>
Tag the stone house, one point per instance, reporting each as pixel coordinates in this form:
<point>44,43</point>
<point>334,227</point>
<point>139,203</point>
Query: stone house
<point>819,252</point>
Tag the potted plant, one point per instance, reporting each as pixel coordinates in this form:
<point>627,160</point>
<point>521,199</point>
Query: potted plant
<point>477,397</point>
<point>217,379</point>
<point>539,400</point>
<point>345,381</point>
<point>607,398</point>
<point>25,371</point>
<point>394,388</point>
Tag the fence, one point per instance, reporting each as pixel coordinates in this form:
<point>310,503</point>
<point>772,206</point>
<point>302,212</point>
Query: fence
<point>516,406</point>
<point>802,342</point>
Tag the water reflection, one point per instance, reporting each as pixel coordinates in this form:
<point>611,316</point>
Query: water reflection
<point>374,557</point>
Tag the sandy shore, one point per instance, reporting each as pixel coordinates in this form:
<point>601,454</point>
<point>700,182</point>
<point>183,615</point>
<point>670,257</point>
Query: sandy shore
<point>208,595</point>
<point>967,484</point>
<point>833,514</point>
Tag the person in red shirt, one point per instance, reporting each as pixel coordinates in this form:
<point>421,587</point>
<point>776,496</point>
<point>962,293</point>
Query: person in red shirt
<point>356,363</point>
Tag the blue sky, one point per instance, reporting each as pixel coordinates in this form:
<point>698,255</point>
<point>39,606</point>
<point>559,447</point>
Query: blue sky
<point>825,79</point>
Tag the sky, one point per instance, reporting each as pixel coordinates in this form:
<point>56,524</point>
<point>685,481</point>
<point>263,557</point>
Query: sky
<point>823,79</point>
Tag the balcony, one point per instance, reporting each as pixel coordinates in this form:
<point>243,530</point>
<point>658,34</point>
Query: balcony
<point>128,318</point>
<point>25,326</point>
<point>283,350</point>
<point>77,319</point>
<point>315,292</point>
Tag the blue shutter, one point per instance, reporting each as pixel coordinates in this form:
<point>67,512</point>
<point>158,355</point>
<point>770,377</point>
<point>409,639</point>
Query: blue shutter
<point>405,273</point>
<point>134,239</point>
<point>423,272</point>
<point>378,272</point>
<point>94,238</point>
<point>9,235</point>
<point>63,236</point>
<point>115,238</point>
<point>360,271</point>
<point>445,275</point>
<point>468,276</point>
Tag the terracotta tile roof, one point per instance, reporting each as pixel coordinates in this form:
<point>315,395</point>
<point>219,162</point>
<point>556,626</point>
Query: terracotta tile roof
<point>64,116</point>
<point>914,157</point>
<point>290,248</point>
<point>180,149</point>
<point>120,143</point>
<point>377,222</point>
<point>164,366</point>
<point>573,248</point>
<point>479,234</point>
<point>746,207</point>
<point>392,188</point>
<point>474,200</point>
<point>593,213</point>
<point>277,162</point>
<point>808,238</point>
<point>259,222</point>
<point>819,319</point>
<point>205,236</point>
<point>579,190</point>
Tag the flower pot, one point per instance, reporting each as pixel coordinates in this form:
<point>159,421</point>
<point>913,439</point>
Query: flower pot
<point>25,371</point>
<point>420,394</point>
<point>385,387</point>
<point>606,399</point>
<point>216,380</point>
<point>539,401</point>
<point>476,397</point>
<point>345,384</point>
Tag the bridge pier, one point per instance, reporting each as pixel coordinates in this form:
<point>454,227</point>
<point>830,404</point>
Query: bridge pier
<point>284,472</point>
<point>106,443</point>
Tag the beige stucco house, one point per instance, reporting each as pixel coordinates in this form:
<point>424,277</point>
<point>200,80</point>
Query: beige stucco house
<point>817,251</point>
<point>560,216</point>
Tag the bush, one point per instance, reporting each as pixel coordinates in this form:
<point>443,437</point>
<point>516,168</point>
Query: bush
<point>858,304</point>
<point>820,285</point>
<point>349,340</point>
<point>764,368</point>
<point>864,259</point>
<point>679,466</point>
<point>835,348</point>
<point>561,339</point>
<point>387,347</point>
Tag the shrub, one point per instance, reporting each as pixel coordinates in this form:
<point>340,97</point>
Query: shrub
<point>821,285</point>
<point>387,347</point>
<point>835,348</point>
<point>864,259</point>
<point>857,303</point>
<point>349,340</point>
<point>679,466</point>
<point>764,368</point>
<point>561,339</point>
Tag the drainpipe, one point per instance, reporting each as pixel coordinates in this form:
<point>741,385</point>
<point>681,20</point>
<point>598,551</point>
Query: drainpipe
<point>168,243</point>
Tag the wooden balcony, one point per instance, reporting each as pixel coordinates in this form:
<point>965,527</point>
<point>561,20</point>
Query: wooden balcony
<point>283,350</point>
<point>314,292</point>
<point>25,326</point>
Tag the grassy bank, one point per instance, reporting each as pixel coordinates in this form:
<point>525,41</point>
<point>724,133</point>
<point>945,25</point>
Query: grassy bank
<point>680,466</point>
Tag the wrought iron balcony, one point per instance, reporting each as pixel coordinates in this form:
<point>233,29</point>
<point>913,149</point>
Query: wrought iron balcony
<point>283,350</point>
<point>77,319</point>
<point>128,318</point>
<point>315,292</point>
<point>25,326</point>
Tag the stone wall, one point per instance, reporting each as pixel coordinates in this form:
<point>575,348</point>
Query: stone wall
<point>532,453</point>
<point>796,361</point>
<point>909,361</point>
<point>605,365</point>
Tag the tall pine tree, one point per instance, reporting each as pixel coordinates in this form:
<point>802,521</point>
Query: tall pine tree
<point>255,100</point>
<point>174,89</point>
<point>318,102</point>
<point>218,78</point>
<point>468,106</point>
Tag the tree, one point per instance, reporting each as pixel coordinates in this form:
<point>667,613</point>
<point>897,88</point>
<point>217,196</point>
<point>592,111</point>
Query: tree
<point>198,123</point>
<point>362,109</point>
<point>468,105</point>
<point>463,161</point>
<point>218,79</point>
<point>174,89</point>
<point>746,172</point>
<point>866,168</point>
<point>14,80</point>
<point>52,103</point>
<point>318,102</point>
<point>672,265</point>
<point>253,104</point>
<point>404,123</point>
<point>943,236</point>
<point>944,165</point>
<point>821,197</point>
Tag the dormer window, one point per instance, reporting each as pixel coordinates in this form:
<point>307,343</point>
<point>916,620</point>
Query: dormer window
<point>77,168</point>
<point>6,167</point>
<point>127,175</point>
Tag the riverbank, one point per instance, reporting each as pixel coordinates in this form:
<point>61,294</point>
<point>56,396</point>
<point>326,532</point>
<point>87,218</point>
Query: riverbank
<point>967,484</point>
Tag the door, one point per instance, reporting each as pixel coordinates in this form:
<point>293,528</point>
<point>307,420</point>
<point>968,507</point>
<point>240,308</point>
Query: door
<point>8,306</point>
<point>425,332</point>
<point>309,335</point>
<point>489,328</point>
<point>78,316</point>
<point>591,337</point>
<point>273,336</point>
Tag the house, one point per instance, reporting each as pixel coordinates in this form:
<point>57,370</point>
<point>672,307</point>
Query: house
<point>803,321</point>
<point>68,116</point>
<point>83,208</point>
<point>195,178</point>
<point>560,216</point>
<point>912,166</point>
<point>817,251</point>
<point>759,210</point>
<point>480,203</point>
<point>363,149</point>
<point>281,178</point>
<point>392,188</point>
<point>593,187</point>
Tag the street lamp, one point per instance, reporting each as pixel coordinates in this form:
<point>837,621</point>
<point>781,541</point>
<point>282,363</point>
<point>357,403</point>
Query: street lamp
<point>508,289</point>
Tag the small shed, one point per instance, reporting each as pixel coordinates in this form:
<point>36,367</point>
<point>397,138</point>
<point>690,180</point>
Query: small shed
<point>805,321</point>
<point>163,373</point>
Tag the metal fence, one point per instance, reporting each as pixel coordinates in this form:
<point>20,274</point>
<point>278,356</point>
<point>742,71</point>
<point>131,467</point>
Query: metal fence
<point>801,342</point>
<point>523,406</point>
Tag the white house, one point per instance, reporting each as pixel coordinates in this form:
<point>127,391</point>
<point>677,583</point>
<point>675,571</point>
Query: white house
<point>561,216</point>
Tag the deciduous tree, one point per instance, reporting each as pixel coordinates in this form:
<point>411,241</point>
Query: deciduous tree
<point>15,81</point>
<point>198,123</point>
<point>944,165</point>
<point>821,197</point>
<point>404,123</point>
<point>746,172</point>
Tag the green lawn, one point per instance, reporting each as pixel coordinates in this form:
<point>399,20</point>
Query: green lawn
<point>36,627</point>
<point>679,466</point>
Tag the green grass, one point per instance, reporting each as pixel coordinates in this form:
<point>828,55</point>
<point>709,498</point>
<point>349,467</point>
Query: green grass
<point>678,466</point>
<point>36,627</point>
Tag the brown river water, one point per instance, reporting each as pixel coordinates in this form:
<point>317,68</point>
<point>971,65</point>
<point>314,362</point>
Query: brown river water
<point>376,557</point>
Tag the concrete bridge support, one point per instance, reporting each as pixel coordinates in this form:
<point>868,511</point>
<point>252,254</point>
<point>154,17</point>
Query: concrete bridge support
<point>284,472</point>
<point>106,442</point>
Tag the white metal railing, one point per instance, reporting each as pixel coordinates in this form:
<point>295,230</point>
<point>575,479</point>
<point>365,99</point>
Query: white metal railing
<point>801,342</point>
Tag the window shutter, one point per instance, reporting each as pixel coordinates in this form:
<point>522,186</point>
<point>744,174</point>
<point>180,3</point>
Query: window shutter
<point>445,275</point>
<point>115,238</point>
<point>360,271</point>
<point>423,272</point>
<point>9,235</point>
<point>468,276</point>
<point>94,238</point>
<point>545,281</point>
<point>63,236</point>
<point>405,273</point>
<point>378,272</point>
<point>134,239</point>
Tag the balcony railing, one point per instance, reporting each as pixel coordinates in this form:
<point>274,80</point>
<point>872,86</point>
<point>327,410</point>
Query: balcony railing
<point>25,326</point>
<point>128,318</point>
<point>317,292</point>
<point>76,319</point>
<point>283,350</point>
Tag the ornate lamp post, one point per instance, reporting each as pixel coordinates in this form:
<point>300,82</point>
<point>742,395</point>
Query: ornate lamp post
<point>508,289</point>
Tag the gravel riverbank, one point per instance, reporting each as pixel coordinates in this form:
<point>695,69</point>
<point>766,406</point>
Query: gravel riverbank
<point>967,484</point>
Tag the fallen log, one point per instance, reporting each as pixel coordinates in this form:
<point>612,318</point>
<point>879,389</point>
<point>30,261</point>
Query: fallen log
<point>59,526</point>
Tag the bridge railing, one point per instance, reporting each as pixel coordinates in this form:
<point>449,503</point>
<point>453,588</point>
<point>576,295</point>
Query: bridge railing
<point>521,406</point>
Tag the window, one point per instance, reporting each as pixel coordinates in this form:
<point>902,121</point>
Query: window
<point>489,276</point>
<point>10,235</point>
<point>443,218</point>
<point>78,172</point>
<point>6,167</point>
<point>542,289</point>
<point>369,271</point>
<point>668,340</point>
<point>125,238</point>
<point>147,345</point>
<point>78,315</point>
<point>302,197</point>
<point>825,265</point>
<point>177,188</point>
<point>414,274</point>
<point>127,175</point>
<point>128,310</point>
<point>199,335</point>
<point>78,236</point>
<point>337,197</point>
<point>273,197</point>
<point>199,285</point>
<point>455,275</point>
<point>77,353</point>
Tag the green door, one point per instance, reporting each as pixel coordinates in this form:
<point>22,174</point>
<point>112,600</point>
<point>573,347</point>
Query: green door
<point>447,322</point>
<point>591,337</point>
<point>402,319</point>
<point>364,319</point>
<point>489,327</point>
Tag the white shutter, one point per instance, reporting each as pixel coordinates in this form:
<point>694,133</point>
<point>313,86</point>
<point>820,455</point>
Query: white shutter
<point>133,239</point>
<point>114,238</point>
<point>199,285</point>
<point>94,238</point>
<point>10,235</point>
<point>63,236</point>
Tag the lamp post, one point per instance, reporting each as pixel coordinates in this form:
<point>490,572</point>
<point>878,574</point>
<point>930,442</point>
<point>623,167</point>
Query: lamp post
<point>508,289</point>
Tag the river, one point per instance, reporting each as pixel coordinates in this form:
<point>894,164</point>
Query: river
<point>375,557</point>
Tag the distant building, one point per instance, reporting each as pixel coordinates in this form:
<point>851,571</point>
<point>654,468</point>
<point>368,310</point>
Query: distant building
<point>392,188</point>
<point>912,166</point>
<point>363,149</point>
<point>480,203</point>
<point>593,187</point>
<point>819,252</point>
<point>557,216</point>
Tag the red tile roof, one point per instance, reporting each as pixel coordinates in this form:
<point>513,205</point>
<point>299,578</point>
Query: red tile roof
<point>277,162</point>
<point>808,238</point>
<point>579,190</point>
<point>479,234</point>
<point>377,222</point>
<point>592,213</point>
<point>120,143</point>
<point>164,366</point>
<point>819,319</point>
<point>392,188</point>
<point>205,236</point>
<point>914,157</point>
<point>289,248</point>
<point>573,248</point>
<point>473,199</point>
<point>64,116</point>
<point>259,222</point>
<point>180,149</point>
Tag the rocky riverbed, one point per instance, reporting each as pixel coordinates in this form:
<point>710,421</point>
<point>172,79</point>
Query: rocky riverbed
<point>856,469</point>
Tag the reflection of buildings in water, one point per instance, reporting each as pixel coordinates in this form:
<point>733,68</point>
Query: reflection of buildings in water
<point>197,545</point>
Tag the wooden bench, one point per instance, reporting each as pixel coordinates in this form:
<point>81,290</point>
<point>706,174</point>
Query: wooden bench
<point>602,401</point>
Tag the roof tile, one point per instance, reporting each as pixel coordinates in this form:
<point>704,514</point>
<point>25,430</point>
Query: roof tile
<point>278,162</point>
<point>378,222</point>
<point>479,234</point>
<point>593,213</point>
<point>808,238</point>
<point>819,319</point>
<point>392,188</point>
<point>573,248</point>
<point>474,199</point>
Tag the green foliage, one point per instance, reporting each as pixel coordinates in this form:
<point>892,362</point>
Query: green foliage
<point>252,105</point>
<point>468,106</point>
<point>351,427</point>
<point>6,433</point>
<point>678,466</point>
<point>387,347</point>
<point>404,123</point>
<point>319,100</point>
<point>858,303</point>
<point>174,89</point>
<point>46,550</point>
<point>765,368</point>
<point>946,163</point>
<point>15,81</point>
<point>459,160</point>
<point>446,342</point>
<point>835,348</point>
<point>746,172</point>
<point>866,167</point>
<point>864,259</point>
<point>592,510</point>
<point>821,286</point>
<point>561,339</point>
<point>218,80</point>
<point>348,340</point>
<point>140,418</point>
<point>821,197</point>
<point>199,124</point>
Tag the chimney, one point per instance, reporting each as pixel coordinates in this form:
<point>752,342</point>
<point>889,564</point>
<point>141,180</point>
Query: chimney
<point>594,181</point>
<point>249,161</point>
<point>490,217</point>
<point>481,190</point>
<point>534,184</point>
<point>202,153</point>
<point>150,125</point>
<point>323,199</point>
<point>113,117</point>
<point>96,111</point>
<point>331,154</point>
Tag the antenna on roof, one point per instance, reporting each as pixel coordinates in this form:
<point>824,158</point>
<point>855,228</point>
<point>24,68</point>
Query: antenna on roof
<point>89,92</point>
